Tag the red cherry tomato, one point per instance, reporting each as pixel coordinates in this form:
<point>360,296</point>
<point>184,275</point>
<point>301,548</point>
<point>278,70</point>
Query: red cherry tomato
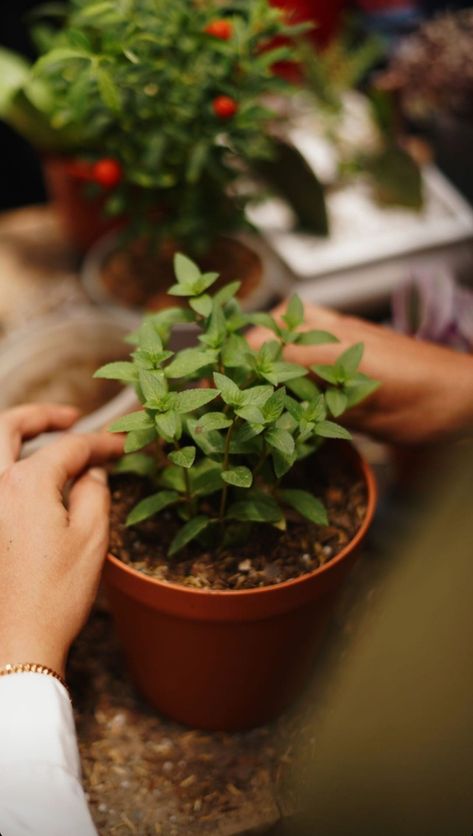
<point>107,172</point>
<point>224,107</point>
<point>220,29</point>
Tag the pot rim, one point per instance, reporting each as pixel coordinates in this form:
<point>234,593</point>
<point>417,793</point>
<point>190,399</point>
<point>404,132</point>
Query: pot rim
<point>233,594</point>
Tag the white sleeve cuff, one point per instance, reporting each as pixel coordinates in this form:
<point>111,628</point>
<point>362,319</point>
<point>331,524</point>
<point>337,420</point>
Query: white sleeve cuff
<point>40,789</point>
<point>36,722</point>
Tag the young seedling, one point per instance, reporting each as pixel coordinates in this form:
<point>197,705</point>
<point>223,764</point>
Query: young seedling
<point>222,424</point>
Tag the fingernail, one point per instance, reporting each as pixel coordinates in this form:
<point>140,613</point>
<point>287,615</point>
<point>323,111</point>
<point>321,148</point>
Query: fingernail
<point>99,474</point>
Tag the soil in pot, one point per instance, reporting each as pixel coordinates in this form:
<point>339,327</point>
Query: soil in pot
<point>139,278</point>
<point>266,558</point>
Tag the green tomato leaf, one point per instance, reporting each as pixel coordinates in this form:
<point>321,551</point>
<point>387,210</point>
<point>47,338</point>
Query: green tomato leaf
<point>151,505</point>
<point>190,531</point>
<point>241,477</point>
<point>306,505</point>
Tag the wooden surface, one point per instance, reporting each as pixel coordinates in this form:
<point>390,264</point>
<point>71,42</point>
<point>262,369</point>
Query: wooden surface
<point>144,774</point>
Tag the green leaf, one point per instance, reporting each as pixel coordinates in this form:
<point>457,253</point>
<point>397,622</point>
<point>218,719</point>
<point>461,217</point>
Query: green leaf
<point>211,442</point>
<point>153,385</point>
<point>265,320</point>
<point>231,394</point>
<point>206,478</point>
<point>241,477</point>
<point>282,464</point>
<point>328,429</point>
<point>169,424</point>
<point>235,352</point>
<point>316,338</point>
<point>250,413</point>
<point>306,505</point>
<point>282,372</point>
<point>212,421</point>
<point>349,361</point>
<point>137,439</point>
<point>148,338</point>
<point>14,73</point>
<point>189,361</point>
<point>173,477</point>
<point>139,463</point>
<point>151,505</point>
<point>134,421</point>
<point>226,293</point>
<point>121,370</point>
<point>281,440</point>
<point>304,388</point>
<point>109,92</point>
<point>328,373</point>
<point>202,305</point>
<point>257,395</point>
<point>358,389</point>
<point>187,272</point>
<point>190,399</point>
<point>189,532</point>
<point>336,401</point>
<point>294,315</point>
<point>258,507</point>
<point>275,404</point>
<point>184,457</point>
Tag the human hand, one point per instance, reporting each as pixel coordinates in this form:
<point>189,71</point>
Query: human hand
<point>51,553</point>
<point>426,391</point>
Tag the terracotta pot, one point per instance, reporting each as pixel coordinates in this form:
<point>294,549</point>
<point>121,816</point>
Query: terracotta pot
<point>81,217</point>
<point>227,659</point>
<point>114,275</point>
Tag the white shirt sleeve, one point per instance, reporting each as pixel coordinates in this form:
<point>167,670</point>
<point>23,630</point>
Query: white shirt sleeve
<point>40,787</point>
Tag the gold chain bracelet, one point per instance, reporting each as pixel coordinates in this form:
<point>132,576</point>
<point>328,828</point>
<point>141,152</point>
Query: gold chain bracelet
<point>33,667</point>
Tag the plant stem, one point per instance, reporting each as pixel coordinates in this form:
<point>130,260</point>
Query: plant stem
<point>226,456</point>
<point>187,481</point>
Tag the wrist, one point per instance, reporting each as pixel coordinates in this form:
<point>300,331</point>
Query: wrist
<point>23,650</point>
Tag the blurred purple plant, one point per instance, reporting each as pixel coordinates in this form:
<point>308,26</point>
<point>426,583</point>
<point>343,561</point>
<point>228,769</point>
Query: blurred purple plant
<point>432,306</point>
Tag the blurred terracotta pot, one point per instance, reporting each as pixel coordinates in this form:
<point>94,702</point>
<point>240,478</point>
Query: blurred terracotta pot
<point>228,659</point>
<point>81,217</point>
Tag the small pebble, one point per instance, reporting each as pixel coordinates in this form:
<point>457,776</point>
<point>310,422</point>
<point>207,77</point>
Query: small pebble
<point>168,767</point>
<point>244,566</point>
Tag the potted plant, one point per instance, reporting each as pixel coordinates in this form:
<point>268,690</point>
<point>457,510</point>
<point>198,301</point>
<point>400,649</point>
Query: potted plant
<point>432,72</point>
<point>155,111</point>
<point>224,559</point>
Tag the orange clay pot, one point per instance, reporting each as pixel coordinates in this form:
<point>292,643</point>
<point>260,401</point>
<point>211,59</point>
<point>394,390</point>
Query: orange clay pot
<point>81,217</point>
<point>228,660</point>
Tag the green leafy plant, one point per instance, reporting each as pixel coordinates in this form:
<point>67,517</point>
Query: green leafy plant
<point>223,424</point>
<point>163,100</point>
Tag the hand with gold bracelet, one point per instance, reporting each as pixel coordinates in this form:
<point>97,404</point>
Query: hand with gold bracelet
<point>52,549</point>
